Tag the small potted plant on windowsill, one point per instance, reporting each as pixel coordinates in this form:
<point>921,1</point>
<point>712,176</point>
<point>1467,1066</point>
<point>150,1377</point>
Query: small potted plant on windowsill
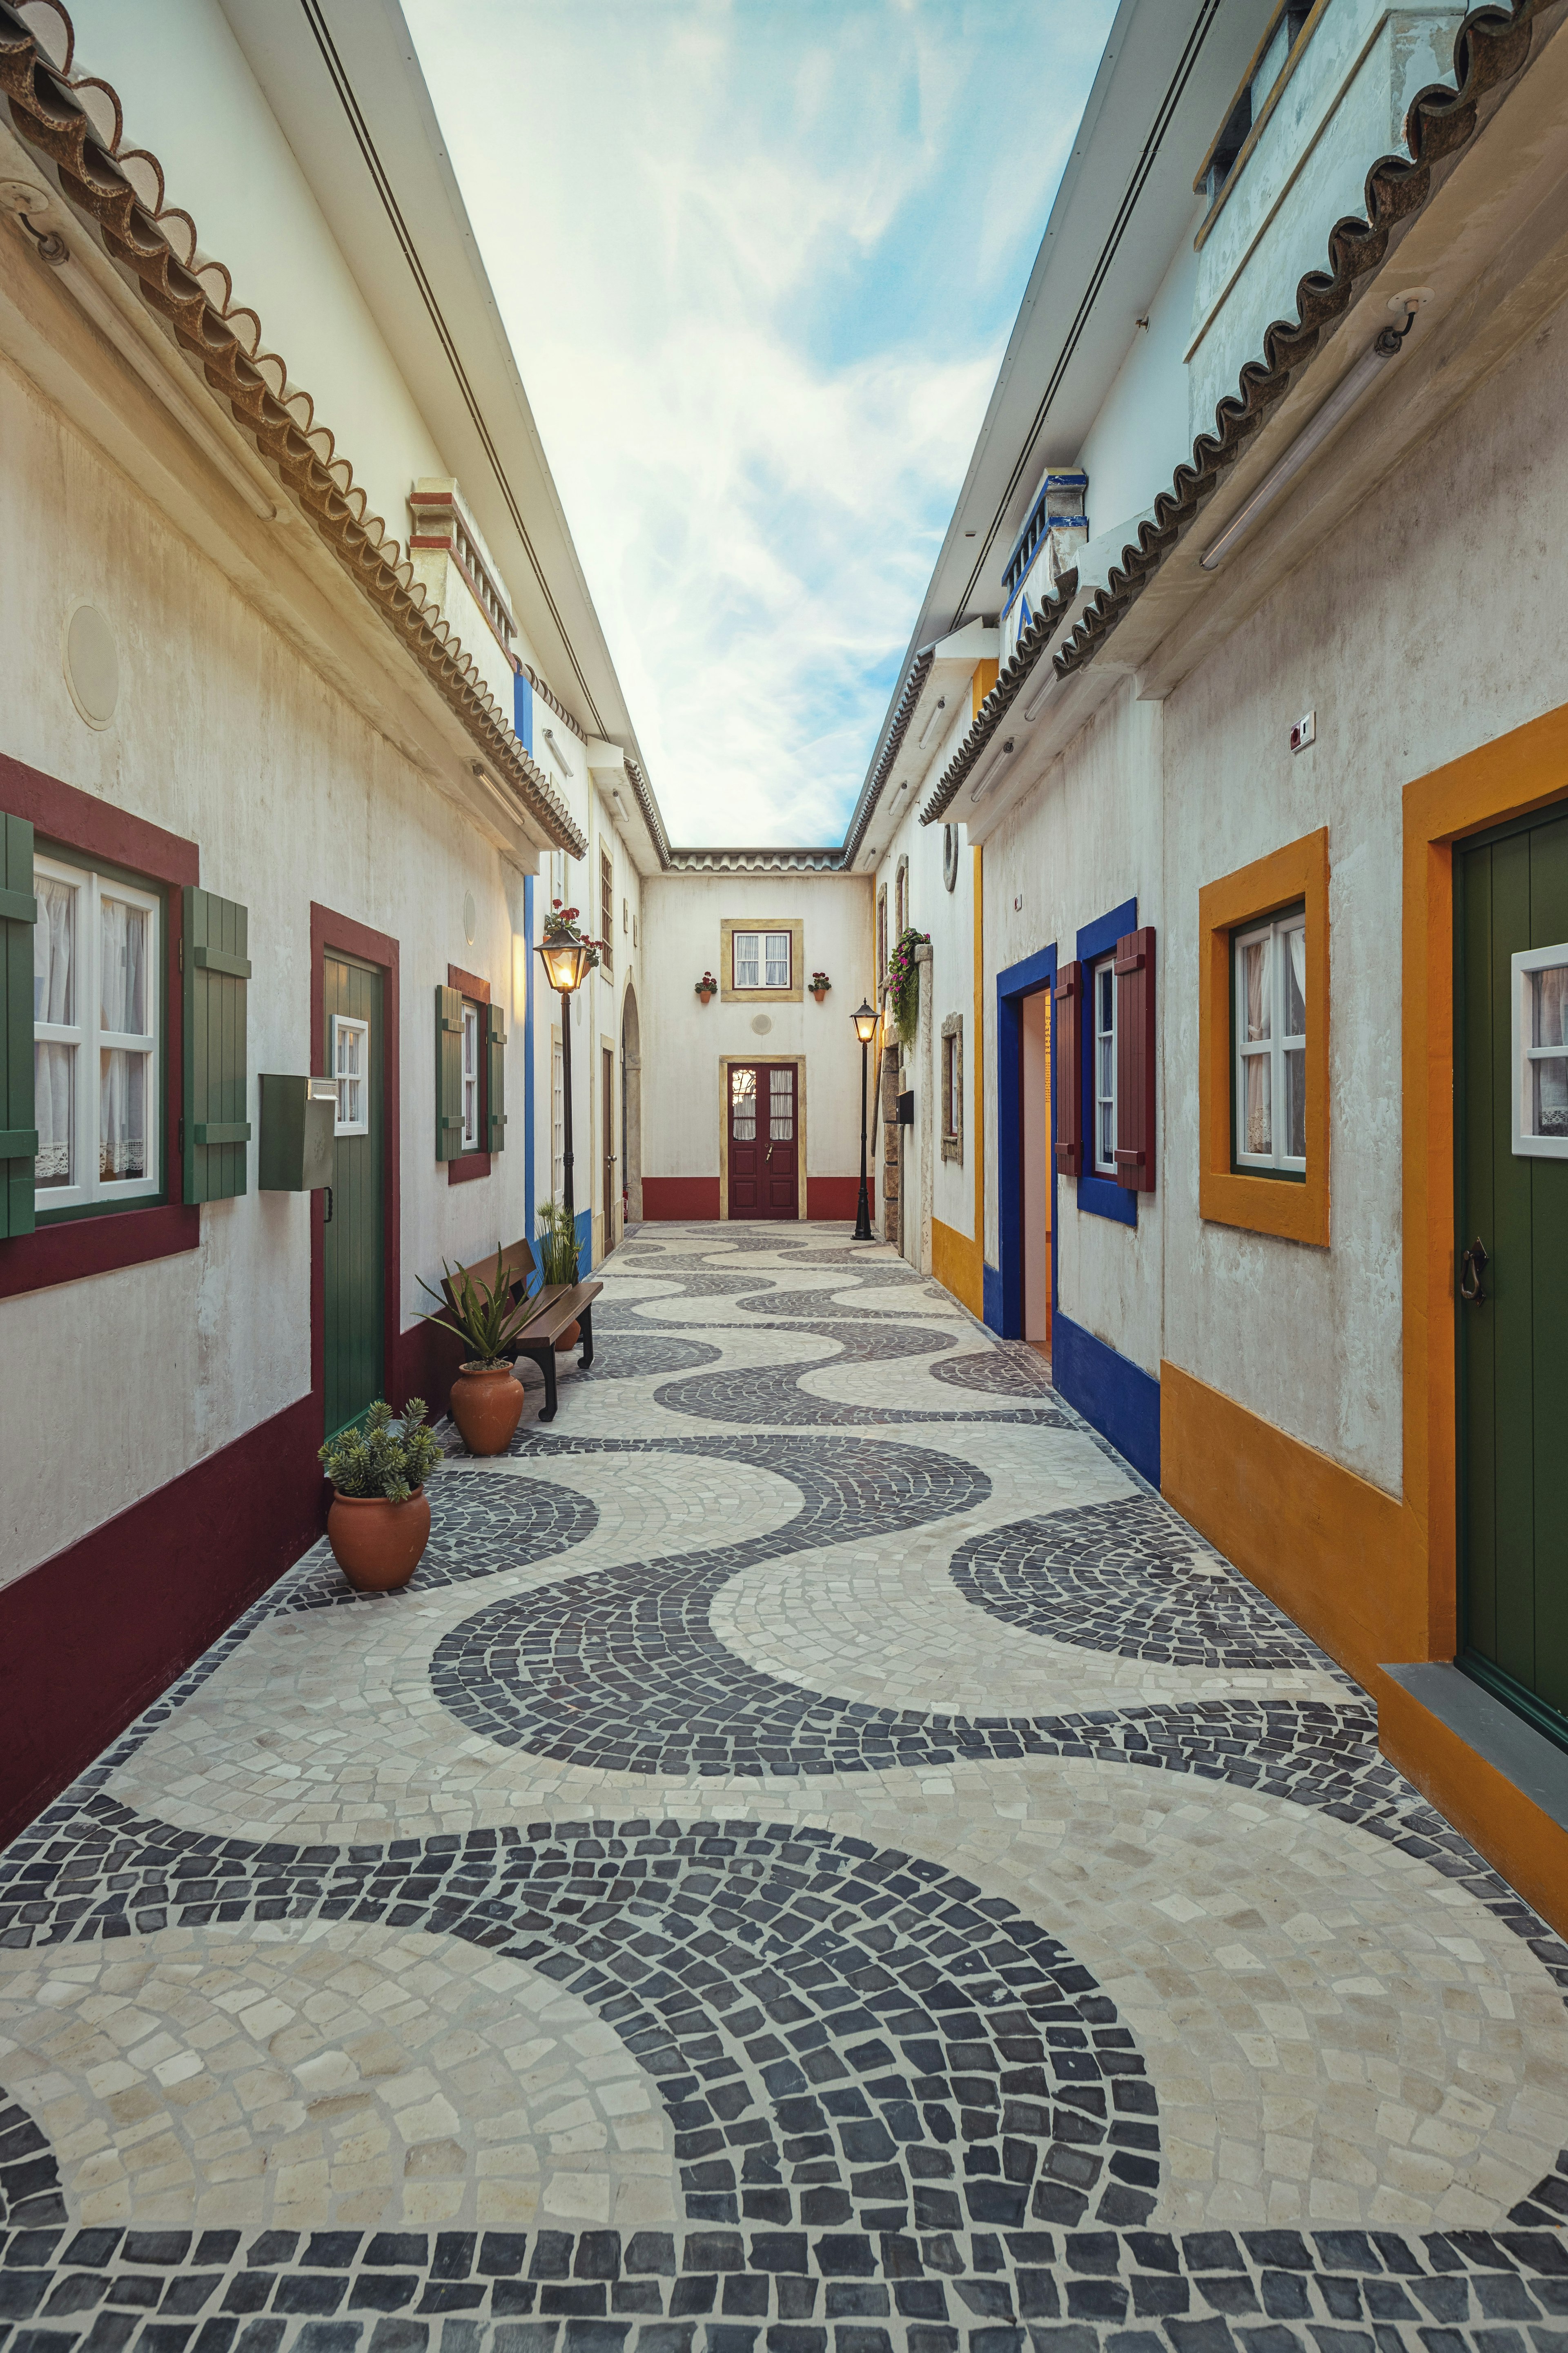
<point>820,985</point>
<point>487,1398</point>
<point>379,1524</point>
<point>706,987</point>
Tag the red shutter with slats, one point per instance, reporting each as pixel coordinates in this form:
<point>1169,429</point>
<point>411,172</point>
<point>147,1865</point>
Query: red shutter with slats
<point>1067,1062</point>
<point>1135,1061</point>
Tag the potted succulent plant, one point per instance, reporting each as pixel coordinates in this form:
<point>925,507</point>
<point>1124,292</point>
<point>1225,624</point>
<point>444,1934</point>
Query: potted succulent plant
<point>557,1254</point>
<point>820,985</point>
<point>487,1400</point>
<point>706,987</point>
<point>379,1524</point>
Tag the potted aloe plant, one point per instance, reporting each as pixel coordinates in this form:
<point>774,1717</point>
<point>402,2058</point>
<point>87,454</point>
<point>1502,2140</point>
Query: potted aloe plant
<point>485,1400</point>
<point>557,1253</point>
<point>379,1524</point>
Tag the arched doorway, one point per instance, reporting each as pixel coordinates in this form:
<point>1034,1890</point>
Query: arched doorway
<point>631,1107</point>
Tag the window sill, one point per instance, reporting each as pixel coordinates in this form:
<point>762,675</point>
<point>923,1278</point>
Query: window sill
<point>1102,1196</point>
<point>467,1166</point>
<point>1294,1210</point>
<point>75,1248</point>
<point>761,995</point>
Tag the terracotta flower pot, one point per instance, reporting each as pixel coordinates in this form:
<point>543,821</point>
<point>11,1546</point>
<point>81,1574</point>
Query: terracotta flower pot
<point>568,1339</point>
<point>820,994</point>
<point>378,1545</point>
<point>705,995</point>
<point>487,1406</point>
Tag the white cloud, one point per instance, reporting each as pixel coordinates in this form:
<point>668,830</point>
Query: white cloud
<point>757,263</point>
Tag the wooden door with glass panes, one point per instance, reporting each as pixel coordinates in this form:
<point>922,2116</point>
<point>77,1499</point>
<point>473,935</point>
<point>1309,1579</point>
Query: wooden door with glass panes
<point>763,1146</point>
<point>1510,1258</point>
<point>354,1329</point>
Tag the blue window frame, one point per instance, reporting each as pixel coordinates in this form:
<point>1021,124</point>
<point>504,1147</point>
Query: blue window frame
<point>1102,1196</point>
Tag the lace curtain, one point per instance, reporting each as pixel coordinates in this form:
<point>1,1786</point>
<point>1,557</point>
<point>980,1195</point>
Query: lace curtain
<point>1259,1120</point>
<point>54,999</point>
<point>122,1076</point>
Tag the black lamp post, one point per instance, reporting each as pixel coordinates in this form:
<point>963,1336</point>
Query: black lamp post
<point>865,1022</point>
<point>567,964</point>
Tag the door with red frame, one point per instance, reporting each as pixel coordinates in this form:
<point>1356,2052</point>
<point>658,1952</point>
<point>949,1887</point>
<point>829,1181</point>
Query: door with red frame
<point>764,1151</point>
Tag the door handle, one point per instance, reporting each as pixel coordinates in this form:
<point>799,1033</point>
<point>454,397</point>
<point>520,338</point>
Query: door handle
<point>328,1218</point>
<point>1473,1265</point>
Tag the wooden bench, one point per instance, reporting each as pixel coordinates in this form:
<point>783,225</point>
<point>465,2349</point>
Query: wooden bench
<point>553,1308</point>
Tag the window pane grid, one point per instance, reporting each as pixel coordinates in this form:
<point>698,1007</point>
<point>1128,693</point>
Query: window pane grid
<point>470,1077</point>
<point>762,959</point>
<point>1269,965</point>
<point>1105,1068</point>
<point>95,1037</point>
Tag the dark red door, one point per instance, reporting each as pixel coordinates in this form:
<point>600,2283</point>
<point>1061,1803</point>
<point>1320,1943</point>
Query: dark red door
<point>764,1160</point>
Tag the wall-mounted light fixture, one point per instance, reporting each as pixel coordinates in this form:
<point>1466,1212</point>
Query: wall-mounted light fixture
<point>1315,432</point>
<point>937,708</point>
<point>984,782</point>
<point>556,753</point>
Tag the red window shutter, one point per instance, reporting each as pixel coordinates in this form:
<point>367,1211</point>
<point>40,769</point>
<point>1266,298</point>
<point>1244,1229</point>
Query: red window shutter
<point>1135,1061</point>
<point>1067,1064</point>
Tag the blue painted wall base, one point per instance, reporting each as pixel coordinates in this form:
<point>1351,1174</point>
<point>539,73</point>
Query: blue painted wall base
<point>992,1300</point>
<point>1114,1396</point>
<point>584,1244</point>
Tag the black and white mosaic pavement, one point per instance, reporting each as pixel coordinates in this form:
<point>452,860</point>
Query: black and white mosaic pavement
<point>864,1877</point>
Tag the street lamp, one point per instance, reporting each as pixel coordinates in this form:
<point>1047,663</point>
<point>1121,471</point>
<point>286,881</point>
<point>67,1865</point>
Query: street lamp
<point>567,964</point>
<point>865,1022</point>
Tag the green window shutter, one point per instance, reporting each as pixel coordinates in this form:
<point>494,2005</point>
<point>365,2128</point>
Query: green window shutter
<point>495,1076</point>
<point>18,1132</point>
<point>448,1073</point>
<point>216,964</point>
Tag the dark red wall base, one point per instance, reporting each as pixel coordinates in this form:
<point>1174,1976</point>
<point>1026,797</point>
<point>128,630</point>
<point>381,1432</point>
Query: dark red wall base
<point>694,1197</point>
<point>91,1637</point>
<point>836,1196</point>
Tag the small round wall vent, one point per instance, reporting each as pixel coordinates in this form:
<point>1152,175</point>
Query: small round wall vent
<point>760,1024</point>
<point>91,663</point>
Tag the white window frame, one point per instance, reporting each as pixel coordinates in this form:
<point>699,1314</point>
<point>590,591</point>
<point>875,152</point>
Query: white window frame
<point>347,1026</point>
<point>1104,1036</point>
<point>758,942</point>
<point>91,1041</point>
<point>1278,1043</point>
<point>1527,1144</point>
<point>470,1076</point>
<point>952,1086</point>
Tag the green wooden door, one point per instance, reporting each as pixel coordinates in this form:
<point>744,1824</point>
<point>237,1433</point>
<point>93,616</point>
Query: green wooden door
<point>1511,898</point>
<point>355,1307</point>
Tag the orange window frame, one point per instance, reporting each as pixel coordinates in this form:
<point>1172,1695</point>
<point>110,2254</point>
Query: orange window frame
<point>1297,1212</point>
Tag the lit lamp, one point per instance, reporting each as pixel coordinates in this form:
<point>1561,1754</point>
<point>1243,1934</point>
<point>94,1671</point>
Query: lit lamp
<point>567,964</point>
<point>865,1022</point>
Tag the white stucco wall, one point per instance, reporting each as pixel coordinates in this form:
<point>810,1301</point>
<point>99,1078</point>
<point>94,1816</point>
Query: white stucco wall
<point>683,1040</point>
<point>225,735</point>
<point>1141,433</point>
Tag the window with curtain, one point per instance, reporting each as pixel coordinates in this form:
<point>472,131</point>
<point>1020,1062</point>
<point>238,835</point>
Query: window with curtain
<point>781,1106</point>
<point>762,960</point>
<point>97,1038</point>
<point>1103,999</point>
<point>1269,1025</point>
<point>351,1070</point>
<point>470,1076</point>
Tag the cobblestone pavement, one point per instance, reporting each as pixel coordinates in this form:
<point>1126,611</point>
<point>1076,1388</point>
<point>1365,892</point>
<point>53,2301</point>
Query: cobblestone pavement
<point>820,1860</point>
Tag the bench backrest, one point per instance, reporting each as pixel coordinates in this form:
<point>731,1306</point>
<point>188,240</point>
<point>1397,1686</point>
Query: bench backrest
<point>516,1262</point>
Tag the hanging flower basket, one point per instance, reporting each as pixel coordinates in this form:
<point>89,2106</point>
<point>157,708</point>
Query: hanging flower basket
<point>904,984</point>
<point>706,987</point>
<point>820,985</point>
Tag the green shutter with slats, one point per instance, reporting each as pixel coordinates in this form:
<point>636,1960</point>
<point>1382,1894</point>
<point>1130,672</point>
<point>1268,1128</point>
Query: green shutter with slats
<point>495,1077</point>
<point>18,1133</point>
<point>448,1073</point>
<point>216,964</point>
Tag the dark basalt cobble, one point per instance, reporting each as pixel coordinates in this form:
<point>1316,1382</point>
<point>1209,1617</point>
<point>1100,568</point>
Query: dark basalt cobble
<point>840,1300</point>
<point>765,2290</point>
<point>844,2038</point>
<point>1009,1369</point>
<point>1129,1578</point>
<point>29,2176</point>
<point>479,1524</point>
<point>772,1396</point>
<point>639,1356</point>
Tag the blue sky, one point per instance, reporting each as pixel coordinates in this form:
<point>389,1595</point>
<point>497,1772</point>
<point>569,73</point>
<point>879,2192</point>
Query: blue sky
<point>758,262</point>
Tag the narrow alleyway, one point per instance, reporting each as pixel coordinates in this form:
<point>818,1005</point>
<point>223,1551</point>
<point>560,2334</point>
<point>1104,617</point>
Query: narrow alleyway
<point>820,1855</point>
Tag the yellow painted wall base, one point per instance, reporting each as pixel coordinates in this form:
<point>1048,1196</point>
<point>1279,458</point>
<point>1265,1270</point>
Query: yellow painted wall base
<point>955,1262</point>
<point>1527,1846</point>
<point>1336,1554</point>
<point>1330,1548</point>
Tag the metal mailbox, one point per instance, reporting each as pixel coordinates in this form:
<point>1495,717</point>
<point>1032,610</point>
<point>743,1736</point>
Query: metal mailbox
<point>298,1117</point>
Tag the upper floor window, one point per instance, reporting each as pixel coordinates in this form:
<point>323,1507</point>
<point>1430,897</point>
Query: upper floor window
<point>762,960</point>
<point>470,1076</point>
<point>96,1037</point>
<point>1103,999</point>
<point>1270,966</point>
<point>606,908</point>
<point>1266,76</point>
